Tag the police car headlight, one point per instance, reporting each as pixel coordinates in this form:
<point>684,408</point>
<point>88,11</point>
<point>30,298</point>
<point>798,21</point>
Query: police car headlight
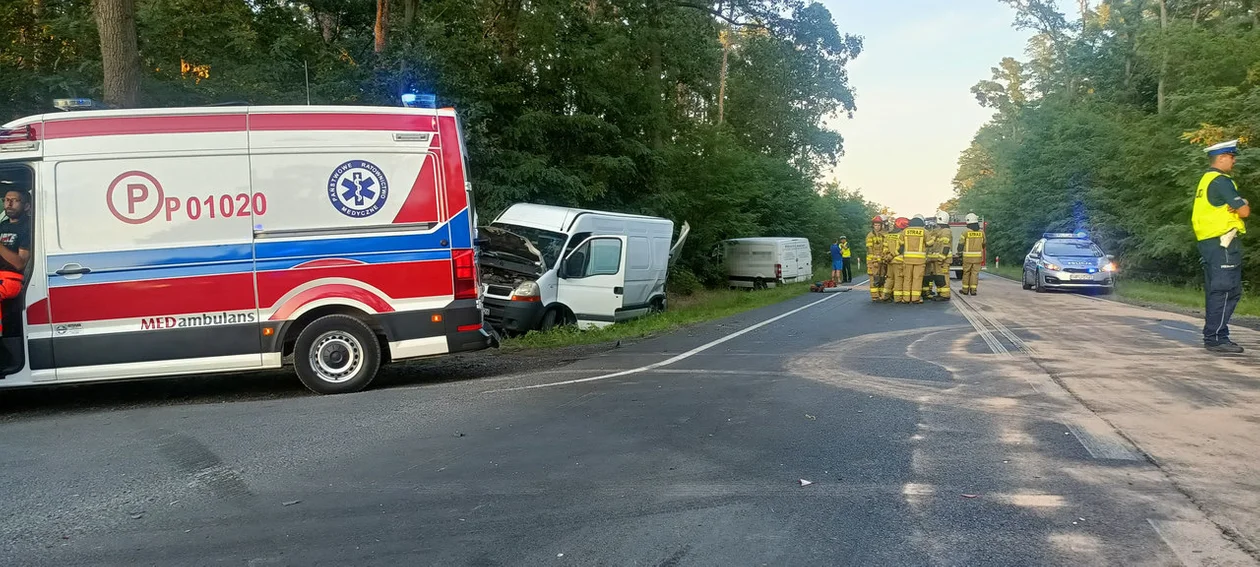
<point>1051,266</point>
<point>1109,267</point>
<point>527,291</point>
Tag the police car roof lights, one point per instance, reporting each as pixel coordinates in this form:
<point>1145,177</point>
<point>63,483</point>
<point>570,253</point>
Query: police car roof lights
<point>68,104</point>
<point>1078,235</point>
<point>414,100</point>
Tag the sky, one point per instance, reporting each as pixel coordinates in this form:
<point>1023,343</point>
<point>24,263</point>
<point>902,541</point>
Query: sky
<point>915,111</point>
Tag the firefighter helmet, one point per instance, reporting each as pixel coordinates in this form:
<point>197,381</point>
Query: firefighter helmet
<point>902,222</point>
<point>942,217</point>
<point>878,219</point>
<point>972,218</point>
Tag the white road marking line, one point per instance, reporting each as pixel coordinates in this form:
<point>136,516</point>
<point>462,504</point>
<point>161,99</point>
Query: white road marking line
<point>1104,447</point>
<point>1198,543</point>
<point>671,360</point>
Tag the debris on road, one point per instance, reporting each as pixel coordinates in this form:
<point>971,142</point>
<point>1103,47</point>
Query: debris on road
<point>806,482</point>
<point>137,516</point>
<point>291,502</point>
<point>810,416</point>
<point>971,496</point>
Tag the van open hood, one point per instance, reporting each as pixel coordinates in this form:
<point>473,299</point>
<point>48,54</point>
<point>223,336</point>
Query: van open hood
<point>509,251</point>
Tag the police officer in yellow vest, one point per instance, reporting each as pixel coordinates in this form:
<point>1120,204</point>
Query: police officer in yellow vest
<point>914,246</point>
<point>1218,225</point>
<point>875,257</point>
<point>895,261</point>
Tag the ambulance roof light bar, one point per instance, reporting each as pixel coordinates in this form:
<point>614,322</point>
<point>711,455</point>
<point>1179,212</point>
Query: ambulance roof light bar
<point>69,104</point>
<point>414,100</point>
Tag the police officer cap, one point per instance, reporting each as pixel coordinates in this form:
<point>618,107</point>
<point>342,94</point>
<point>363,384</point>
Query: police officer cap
<point>1230,147</point>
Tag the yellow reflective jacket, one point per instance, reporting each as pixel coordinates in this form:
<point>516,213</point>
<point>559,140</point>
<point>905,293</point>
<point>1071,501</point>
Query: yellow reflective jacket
<point>874,247</point>
<point>915,245</point>
<point>892,248</point>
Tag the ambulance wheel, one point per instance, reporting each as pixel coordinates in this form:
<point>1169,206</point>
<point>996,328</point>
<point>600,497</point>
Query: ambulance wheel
<point>336,354</point>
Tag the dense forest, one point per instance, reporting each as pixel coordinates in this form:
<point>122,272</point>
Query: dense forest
<point>712,112</point>
<point>1103,125</point>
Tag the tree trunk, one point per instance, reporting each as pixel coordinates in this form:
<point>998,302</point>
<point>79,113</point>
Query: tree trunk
<point>409,12</point>
<point>327,25</point>
<point>726,52</point>
<point>382,24</point>
<point>120,59</point>
<point>1163,68</point>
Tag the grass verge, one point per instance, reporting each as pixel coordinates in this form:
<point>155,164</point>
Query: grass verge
<point>1155,294</point>
<point>701,306</point>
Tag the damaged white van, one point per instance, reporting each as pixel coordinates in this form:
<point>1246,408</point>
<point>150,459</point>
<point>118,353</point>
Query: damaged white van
<point>544,266</point>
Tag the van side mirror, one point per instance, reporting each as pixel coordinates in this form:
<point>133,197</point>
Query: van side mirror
<point>574,265</point>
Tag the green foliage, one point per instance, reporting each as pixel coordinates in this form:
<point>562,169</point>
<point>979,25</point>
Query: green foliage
<point>608,104</point>
<point>1083,138</point>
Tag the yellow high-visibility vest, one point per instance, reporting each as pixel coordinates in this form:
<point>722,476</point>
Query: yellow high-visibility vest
<point>1210,221</point>
<point>916,244</point>
<point>973,246</point>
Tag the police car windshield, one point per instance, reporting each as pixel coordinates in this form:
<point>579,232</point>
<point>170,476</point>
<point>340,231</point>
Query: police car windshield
<point>547,242</point>
<point>1072,248</point>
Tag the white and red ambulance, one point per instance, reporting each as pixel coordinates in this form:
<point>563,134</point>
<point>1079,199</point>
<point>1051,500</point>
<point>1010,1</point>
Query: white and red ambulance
<point>178,241</point>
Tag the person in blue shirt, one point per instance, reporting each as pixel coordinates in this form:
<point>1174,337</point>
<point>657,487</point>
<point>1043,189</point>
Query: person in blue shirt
<point>837,262</point>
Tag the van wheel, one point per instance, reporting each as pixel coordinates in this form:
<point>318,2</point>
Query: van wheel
<point>336,354</point>
<point>759,284</point>
<point>554,317</point>
<point>657,305</point>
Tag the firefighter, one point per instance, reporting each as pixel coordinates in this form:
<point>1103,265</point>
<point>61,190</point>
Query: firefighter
<point>972,248</point>
<point>942,240</point>
<point>914,256</point>
<point>929,268</point>
<point>894,284</point>
<point>874,257</point>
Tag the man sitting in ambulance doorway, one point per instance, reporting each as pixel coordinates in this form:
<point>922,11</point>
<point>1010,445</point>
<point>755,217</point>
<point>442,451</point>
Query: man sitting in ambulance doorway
<point>15,250</point>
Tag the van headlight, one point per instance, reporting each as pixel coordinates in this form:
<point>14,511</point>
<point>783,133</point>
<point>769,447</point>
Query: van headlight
<point>527,291</point>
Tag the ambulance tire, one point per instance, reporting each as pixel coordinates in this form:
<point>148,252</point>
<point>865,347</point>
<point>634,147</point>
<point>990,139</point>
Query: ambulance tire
<point>336,354</point>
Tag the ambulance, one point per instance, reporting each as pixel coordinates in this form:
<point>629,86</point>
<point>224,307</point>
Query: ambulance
<point>233,238</point>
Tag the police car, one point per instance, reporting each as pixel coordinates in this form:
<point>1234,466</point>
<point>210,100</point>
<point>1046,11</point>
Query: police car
<point>1068,261</point>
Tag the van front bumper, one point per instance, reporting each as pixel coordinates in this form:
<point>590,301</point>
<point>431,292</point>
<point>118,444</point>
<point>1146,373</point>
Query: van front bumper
<point>513,316</point>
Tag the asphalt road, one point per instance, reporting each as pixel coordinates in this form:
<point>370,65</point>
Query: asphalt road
<point>1006,429</point>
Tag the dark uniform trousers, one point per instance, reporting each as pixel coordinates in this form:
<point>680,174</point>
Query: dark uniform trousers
<point>1222,269</point>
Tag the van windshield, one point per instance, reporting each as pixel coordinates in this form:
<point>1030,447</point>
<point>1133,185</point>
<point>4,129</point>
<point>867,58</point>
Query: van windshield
<point>549,243</point>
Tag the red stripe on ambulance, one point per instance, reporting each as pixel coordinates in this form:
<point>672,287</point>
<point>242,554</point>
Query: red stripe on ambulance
<point>421,203</point>
<point>453,165</point>
<point>148,298</point>
<point>402,280</point>
<point>54,129</point>
<point>331,291</point>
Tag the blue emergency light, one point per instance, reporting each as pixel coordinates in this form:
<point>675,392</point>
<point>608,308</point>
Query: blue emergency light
<point>1078,235</point>
<point>413,100</point>
<point>68,104</point>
